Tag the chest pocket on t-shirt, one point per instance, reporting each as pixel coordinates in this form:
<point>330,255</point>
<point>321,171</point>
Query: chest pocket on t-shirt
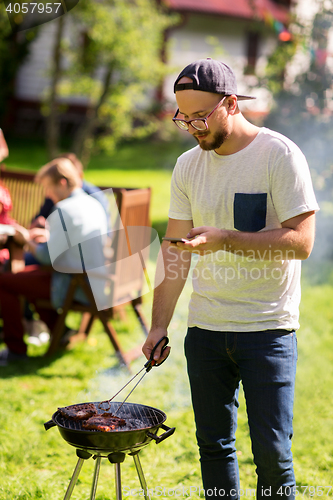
<point>250,211</point>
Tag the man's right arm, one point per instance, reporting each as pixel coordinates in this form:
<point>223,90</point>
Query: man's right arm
<point>175,263</point>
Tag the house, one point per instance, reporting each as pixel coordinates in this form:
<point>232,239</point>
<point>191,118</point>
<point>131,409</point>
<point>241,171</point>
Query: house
<point>240,32</point>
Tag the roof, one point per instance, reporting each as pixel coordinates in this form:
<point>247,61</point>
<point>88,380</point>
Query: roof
<point>242,9</point>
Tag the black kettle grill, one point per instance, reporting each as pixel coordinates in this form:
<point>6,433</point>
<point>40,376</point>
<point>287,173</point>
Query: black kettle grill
<point>142,425</point>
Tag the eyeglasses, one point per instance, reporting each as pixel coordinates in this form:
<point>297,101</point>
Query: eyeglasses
<point>197,123</point>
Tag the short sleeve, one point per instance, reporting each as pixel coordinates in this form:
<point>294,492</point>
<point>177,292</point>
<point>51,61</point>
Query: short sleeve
<point>292,190</point>
<point>180,206</point>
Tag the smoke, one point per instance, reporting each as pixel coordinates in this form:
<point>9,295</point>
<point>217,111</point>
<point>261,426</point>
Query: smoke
<point>165,387</point>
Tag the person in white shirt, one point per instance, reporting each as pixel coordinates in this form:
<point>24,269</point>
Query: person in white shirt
<point>243,200</point>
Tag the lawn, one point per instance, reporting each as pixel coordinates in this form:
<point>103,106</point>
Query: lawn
<point>35,463</point>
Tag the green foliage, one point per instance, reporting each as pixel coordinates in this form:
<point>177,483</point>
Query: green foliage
<point>274,74</point>
<point>117,67</point>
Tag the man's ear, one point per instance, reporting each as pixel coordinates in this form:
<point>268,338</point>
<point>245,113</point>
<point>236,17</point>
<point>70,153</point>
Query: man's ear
<point>232,104</point>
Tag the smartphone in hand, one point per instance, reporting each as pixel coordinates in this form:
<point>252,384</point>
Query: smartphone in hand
<point>174,240</point>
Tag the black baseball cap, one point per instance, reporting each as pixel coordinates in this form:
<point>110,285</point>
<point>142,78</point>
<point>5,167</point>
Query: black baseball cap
<point>209,75</point>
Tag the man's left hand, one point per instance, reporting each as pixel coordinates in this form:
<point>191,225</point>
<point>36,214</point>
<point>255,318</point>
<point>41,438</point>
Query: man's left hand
<point>204,239</point>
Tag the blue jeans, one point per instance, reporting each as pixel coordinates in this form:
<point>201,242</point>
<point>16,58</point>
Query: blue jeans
<point>265,362</point>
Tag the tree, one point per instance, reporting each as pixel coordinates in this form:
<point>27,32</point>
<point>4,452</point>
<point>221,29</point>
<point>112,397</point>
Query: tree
<point>14,48</point>
<point>112,59</point>
<point>52,119</point>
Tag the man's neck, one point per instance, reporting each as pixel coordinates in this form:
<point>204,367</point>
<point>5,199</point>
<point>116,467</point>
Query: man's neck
<point>242,134</point>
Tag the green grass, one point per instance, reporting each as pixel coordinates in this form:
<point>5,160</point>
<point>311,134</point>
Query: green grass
<point>38,464</point>
<point>35,463</point>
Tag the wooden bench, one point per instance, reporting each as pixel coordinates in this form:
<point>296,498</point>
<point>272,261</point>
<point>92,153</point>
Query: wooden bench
<point>133,205</point>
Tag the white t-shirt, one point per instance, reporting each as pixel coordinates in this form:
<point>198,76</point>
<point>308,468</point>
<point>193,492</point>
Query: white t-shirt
<point>78,228</point>
<point>255,189</point>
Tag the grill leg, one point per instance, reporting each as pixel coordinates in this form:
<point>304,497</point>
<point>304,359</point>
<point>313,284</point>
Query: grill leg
<point>141,476</point>
<point>95,478</point>
<point>117,458</point>
<point>73,481</point>
<point>83,455</point>
<point>118,481</point>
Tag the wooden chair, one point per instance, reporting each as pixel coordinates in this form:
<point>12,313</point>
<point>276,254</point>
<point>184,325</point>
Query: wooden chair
<point>127,279</point>
<point>27,196</point>
<point>129,273</point>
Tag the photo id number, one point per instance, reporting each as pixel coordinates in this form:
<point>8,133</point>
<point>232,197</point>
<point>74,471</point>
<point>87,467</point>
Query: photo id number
<point>33,7</point>
<point>311,491</point>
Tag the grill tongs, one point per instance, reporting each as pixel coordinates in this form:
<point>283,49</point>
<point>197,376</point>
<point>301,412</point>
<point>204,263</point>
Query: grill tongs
<point>147,366</point>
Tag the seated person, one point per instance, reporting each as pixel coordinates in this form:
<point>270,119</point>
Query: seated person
<point>39,221</point>
<point>5,207</point>
<point>3,147</point>
<point>76,218</point>
<point>47,207</point>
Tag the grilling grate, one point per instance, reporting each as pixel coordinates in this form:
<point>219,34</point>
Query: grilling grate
<point>136,416</point>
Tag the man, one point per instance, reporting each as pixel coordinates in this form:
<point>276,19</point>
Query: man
<point>34,327</point>
<point>77,227</point>
<point>243,199</point>
<point>47,207</point>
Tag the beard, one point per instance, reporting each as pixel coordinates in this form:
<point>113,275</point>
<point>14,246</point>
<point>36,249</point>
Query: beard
<point>218,139</point>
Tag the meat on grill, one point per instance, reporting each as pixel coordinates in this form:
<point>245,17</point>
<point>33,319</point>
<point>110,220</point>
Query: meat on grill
<point>105,422</point>
<point>90,419</point>
<point>78,412</point>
